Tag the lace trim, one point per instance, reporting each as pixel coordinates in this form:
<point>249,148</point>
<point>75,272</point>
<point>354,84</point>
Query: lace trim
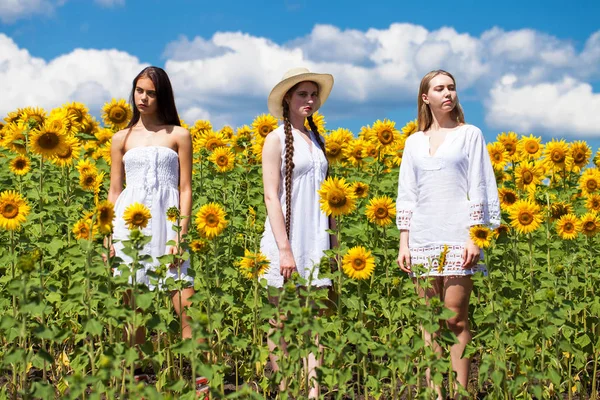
<point>403,218</point>
<point>485,214</point>
<point>430,257</point>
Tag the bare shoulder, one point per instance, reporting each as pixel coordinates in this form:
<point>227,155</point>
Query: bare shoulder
<point>118,139</point>
<point>180,132</point>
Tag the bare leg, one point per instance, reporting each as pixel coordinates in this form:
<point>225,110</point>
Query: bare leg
<point>272,346</point>
<point>139,337</point>
<point>457,291</point>
<point>312,363</point>
<point>434,291</point>
<point>183,299</point>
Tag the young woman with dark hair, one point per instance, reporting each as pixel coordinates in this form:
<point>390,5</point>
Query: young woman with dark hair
<point>154,155</point>
<point>446,185</point>
<point>294,166</point>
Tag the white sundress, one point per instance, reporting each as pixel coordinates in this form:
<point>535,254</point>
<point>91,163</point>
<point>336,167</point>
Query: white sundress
<point>308,229</point>
<point>152,179</point>
<point>441,196</point>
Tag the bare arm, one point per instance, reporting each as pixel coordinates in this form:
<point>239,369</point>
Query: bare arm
<point>271,181</point>
<point>116,179</point>
<point>184,144</point>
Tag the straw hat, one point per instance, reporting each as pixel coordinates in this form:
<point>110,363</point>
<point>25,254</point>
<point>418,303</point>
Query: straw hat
<point>291,78</point>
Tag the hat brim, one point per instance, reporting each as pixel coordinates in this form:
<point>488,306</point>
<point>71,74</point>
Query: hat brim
<point>324,81</point>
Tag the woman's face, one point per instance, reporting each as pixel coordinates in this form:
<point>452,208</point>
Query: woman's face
<point>145,96</point>
<point>441,95</point>
<point>304,101</point>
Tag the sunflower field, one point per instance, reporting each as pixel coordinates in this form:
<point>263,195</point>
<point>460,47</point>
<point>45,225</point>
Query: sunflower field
<point>534,319</point>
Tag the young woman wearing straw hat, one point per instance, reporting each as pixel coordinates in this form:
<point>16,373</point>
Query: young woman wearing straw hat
<point>294,166</point>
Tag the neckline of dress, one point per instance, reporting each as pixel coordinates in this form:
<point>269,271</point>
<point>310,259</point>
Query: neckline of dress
<point>310,136</point>
<point>152,146</point>
<point>458,128</point>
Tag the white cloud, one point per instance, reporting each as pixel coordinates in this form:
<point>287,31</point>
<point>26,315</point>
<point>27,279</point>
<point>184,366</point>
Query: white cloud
<point>12,10</point>
<point>229,75</point>
<point>93,76</point>
<point>558,108</point>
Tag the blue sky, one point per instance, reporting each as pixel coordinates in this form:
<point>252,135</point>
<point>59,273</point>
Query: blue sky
<point>520,65</point>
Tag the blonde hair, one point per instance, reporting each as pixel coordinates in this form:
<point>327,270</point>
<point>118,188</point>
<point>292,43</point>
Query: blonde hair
<point>425,117</point>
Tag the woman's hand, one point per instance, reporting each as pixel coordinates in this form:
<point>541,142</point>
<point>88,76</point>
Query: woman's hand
<point>404,259</point>
<point>470,254</point>
<point>173,250</point>
<point>287,265</point>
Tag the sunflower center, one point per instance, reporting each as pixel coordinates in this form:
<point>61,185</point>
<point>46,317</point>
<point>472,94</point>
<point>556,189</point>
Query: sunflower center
<point>222,161</point>
<point>334,149</point>
<point>525,218</point>
<point>595,204</point>
<point>510,198</point>
<point>138,218</point>
<point>532,147</point>
<point>557,156</point>
<point>359,191</point>
<point>497,157</point>
<point>591,185</point>
<point>358,154</point>
<point>10,211</point>
<point>117,114</point>
<point>212,220</point>
<point>89,180</point>
<point>385,137</point>
<point>337,199</point>
<point>48,141</point>
<point>527,177</point>
<point>481,234</point>
<point>578,156</point>
<point>212,144</point>
<point>569,227</point>
<point>358,264</point>
<point>65,154</point>
<point>589,226</point>
<point>20,164</point>
<point>381,212</point>
<point>510,148</point>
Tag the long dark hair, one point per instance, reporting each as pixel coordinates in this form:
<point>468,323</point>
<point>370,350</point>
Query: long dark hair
<point>289,154</point>
<point>165,100</point>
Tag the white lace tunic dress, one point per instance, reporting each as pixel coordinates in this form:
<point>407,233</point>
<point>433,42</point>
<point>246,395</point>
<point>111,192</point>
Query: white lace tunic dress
<point>308,230</point>
<point>441,196</point>
<point>152,179</point>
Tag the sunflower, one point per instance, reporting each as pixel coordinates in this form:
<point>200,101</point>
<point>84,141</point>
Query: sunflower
<point>355,152</point>
<point>200,127</point>
<point>337,198</point>
<point>442,259</point>
<point>199,246</point>
<point>210,220</point>
<point>77,111</point>
<point>592,203</point>
<point>372,151</point>
<point>14,116</point>
<point>367,134</point>
<point>48,142</point>
<point>589,181</point>
<point>86,166</point>
<point>386,133</point>
<point>510,141</point>
<point>60,121</point>
<point>226,131</point>
<point>71,152</point>
<point>13,210</point>
<point>590,224</point>
<point>83,229</point>
<point>35,115</point>
<point>381,210</point>
<point>580,154</point>
<point>256,149</point>
<point>360,190</point>
<point>20,165</point>
<point>530,147</point>
<point>498,155</point>
<point>117,113</point>
<point>136,216</point>
<point>104,153</point>
<point>264,124</point>
<point>223,158</point>
<point>557,153</point>
<point>242,138</point>
<point>209,140</point>
<point>173,214</point>
<point>525,216</point>
<point>568,226</point>
<point>89,125</point>
<point>105,213</point>
<point>91,181</point>
<point>410,128</point>
<point>399,151</point>
<point>528,175</point>
<point>319,121</point>
<point>596,159</point>
<point>14,137</point>
<point>501,230</point>
<point>334,147</point>
<point>481,236</point>
<point>560,208</point>
<point>253,265</point>
<point>358,263</point>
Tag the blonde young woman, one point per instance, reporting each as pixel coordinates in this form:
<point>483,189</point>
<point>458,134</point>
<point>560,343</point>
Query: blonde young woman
<point>294,166</point>
<point>446,185</point>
